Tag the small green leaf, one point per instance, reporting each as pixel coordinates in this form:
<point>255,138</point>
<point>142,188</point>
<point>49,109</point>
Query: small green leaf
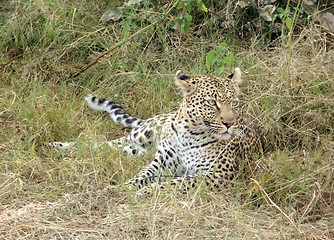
<point>280,10</point>
<point>189,7</point>
<point>192,2</point>
<point>222,48</point>
<point>185,28</point>
<point>201,6</point>
<point>172,25</point>
<point>288,23</point>
<point>126,27</point>
<point>180,5</point>
<point>188,17</point>
<point>219,63</point>
<point>210,59</point>
<point>223,44</point>
<point>229,59</point>
<point>179,21</point>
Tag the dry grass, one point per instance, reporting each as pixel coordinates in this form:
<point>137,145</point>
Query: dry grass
<point>79,195</point>
<point>108,214</point>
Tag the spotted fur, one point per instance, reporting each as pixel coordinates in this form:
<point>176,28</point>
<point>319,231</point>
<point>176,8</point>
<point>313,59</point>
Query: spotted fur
<point>203,139</point>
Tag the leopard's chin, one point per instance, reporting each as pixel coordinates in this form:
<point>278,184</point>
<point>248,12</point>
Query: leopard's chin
<point>231,132</point>
<point>225,136</point>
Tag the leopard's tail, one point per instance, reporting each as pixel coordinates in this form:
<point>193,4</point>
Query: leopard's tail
<point>115,111</point>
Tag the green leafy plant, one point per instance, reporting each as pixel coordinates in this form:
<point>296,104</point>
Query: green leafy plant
<point>288,17</point>
<point>187,8</point>
<point>219,58</point>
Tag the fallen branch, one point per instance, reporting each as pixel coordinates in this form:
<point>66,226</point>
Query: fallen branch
<point>125,41</point>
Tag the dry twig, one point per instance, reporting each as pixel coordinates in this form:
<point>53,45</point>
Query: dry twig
<point>275,205</point>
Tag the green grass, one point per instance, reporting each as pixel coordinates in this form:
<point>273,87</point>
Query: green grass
<point>46,194</point>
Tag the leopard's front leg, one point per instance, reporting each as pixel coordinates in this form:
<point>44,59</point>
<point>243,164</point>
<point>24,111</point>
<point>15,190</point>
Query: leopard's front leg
<point>164,163</point>
<point>219,177</point>
<point>181,183</point>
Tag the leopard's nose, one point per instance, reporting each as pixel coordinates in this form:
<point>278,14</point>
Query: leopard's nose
<point>228,124</point>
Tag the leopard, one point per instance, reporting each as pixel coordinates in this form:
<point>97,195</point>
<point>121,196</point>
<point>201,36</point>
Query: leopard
<point>202,142</point>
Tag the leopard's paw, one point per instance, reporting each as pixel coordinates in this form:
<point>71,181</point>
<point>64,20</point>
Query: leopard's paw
<point>144,192</point>
<point>62,145</point>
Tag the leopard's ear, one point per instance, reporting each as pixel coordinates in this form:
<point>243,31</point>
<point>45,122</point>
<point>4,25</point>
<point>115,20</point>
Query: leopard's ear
<point>236,76</point>
<point>184,82</point>
<point>180,76</point>
<point>236,79</point>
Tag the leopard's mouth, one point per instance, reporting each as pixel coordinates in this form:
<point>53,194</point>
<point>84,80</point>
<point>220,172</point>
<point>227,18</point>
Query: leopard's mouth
<point>224,133</point>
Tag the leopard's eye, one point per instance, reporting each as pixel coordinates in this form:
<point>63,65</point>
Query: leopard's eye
<point>211,102</point>
<point>235,103</point>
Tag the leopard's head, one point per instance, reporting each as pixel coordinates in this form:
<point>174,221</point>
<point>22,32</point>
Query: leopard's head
<point>210,104</point>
